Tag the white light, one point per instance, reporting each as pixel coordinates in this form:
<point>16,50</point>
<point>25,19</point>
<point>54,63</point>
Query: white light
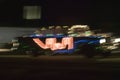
<point>79,26</point>
<point>112,47</point>
<point>16,44</point>
<point>102,41</point>
<point>117,40</point>
<point>13,49</point>
<point>5,50</point>
<point>14,40</point>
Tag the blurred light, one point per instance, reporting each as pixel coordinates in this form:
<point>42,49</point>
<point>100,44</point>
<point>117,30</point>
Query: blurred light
<point>32,12</point>
<point>12,49</point>
<point>116,40</point>
<point>51,27</point>
<point>112,47</point>
<point>14,40</point>
<point>58,27</point>
<point>65,26</point>
<point>53,45</point>
<point>5,50</point>
<point>88,33</point>
<point>79,26</point>
<point>102,41</point>
<point>15,44</point>
<point>43,28</point>
<point>49,34</point>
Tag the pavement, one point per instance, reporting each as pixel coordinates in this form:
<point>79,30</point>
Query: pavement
<point>59,67</point>
<point>26,67</point>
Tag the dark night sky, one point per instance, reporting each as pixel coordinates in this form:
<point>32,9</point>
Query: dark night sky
<point>86,11</point>
<point>93,12</point>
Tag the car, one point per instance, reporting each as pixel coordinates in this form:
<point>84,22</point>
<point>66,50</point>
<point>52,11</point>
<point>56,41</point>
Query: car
<point>62,43</point>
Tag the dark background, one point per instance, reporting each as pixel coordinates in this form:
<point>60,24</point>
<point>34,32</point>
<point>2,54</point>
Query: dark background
<point>97,14</point>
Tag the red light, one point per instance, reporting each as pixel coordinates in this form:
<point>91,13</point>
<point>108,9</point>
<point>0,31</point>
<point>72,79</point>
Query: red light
<point>53,45</point>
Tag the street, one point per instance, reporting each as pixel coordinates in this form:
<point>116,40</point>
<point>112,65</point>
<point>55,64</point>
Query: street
<point>26,67</point>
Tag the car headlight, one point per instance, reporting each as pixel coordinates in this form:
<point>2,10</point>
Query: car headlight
<point>102,41</point>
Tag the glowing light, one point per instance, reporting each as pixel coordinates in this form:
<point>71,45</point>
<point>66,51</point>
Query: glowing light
<point>5,50</point>
<point>49,42</point>
<point>16,44</point>
<point>116,40</point>
<point>53,45</point>
<point>102,41</point>
<point>58,27</point>
<point>65,26</point>
<point>88,33</point>
<point>58,46</point>
<point>112,47</point>
<point>51,27</point>
<point>79,26</point>
<point>68,41</point>
<point>49,34</point>
<point>43,28</point>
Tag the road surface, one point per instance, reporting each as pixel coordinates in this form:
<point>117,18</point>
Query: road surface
<point>25,67</point>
